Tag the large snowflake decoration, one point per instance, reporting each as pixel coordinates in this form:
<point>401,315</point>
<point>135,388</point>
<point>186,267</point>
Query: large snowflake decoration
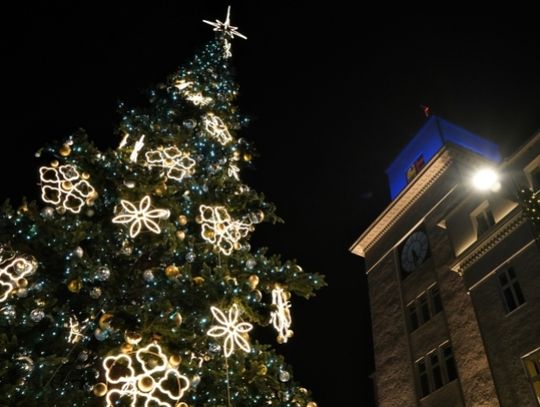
<point>226,27</point>
<point>138,216</point>
<point>177,164</point>
<point>217,129</point>
<point>231,329</point>
<point>12,271</point>
<point>64,187</point>
<point>281,316</point>
<point>144,377</point>
<point>220,229</point>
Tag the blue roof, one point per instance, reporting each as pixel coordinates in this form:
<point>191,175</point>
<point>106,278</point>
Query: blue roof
<point>431,137</point>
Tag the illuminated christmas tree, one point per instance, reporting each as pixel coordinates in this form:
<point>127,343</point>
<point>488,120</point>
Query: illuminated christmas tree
<point>133,283</point>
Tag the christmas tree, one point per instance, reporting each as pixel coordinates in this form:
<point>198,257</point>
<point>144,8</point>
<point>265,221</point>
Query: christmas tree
<point>133,283</point>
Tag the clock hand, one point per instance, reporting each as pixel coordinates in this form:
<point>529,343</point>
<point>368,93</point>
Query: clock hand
<point>416,258</point>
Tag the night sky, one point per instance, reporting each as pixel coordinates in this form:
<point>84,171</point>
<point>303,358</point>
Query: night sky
<point>334,94</point>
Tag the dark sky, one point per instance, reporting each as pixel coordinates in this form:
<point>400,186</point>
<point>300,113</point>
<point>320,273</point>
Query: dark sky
<point>334,94</point>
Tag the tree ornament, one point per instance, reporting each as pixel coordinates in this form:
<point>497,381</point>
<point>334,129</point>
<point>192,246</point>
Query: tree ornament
<point>180,234</point>
<point>253,281</point>
<point>79,252</point>
<point>177,164</point>
<point>198,280</point>
<point>220,229</point>
<point>190,257</point>
<point>148,275</point>
<point>47,212</point>
<point>284,376</point>
<point>105,320</point>
<point>127,248</point>
<point>262,370</point>
<point>311,404</point>
<point>172,271</point>
<point>137,216</point>
<point>101,334</point>
<point>182,220</point>
<point>75,330</point>
<point>12,272</point>
<point>217,129</point>
<point>103,273</point>
<point>95,293</point>
<point>126,348</point>
<point>228,30</point>
<point>64,187</point>
<point>281,316</point>
<point>231,329</point>
<point>65,150</point>
<point>251,263</point>
<point>136,149</point>
<point>189,123</point>
<point>100,389</point>
<point>75,285</point>
<point>37,314</point>
<point>143,377</point>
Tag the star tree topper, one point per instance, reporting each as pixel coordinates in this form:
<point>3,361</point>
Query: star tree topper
<point>228,29</point>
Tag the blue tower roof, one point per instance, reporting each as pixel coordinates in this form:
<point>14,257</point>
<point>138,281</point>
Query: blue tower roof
<point>431,137</point>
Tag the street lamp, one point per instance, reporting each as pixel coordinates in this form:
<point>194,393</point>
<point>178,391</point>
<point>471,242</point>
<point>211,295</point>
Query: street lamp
<point>486,179</point>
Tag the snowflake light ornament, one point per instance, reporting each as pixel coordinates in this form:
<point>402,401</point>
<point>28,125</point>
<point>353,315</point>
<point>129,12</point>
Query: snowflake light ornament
<point>136,149</point>
<point>231,329</point>
<point>12,271</point>
<point>217,129</point>
<point>281,317</point>
<point>197,98</point>
<point>75,330</point>
<point>64,187</point>
<point>220,229</point>
<point>177,163</point>
<point>233,171</point>
<point>138,216</point>
<point>144,377</point>
<point>226,27</point>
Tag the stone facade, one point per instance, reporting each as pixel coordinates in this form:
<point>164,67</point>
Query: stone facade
<point>487,341</point>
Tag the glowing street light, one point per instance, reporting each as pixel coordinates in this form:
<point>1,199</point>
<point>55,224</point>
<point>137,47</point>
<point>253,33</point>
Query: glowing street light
<point>486,179</point>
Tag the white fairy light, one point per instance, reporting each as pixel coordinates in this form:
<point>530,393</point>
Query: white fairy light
<point>11,272</point>
<point>217,129</point>
<point>227,52</point>
<point>177,163</point>
<point>226,27</point>
<point>145,377</point>
<point>281,317</point>
<point>231,329</point>
<point>64,187</point>
<point>124,140</point>
<point>75,330</point>
<point>137,216</point>
<point>220,229</point>
<point>136,149</point>
<point>197,98</point>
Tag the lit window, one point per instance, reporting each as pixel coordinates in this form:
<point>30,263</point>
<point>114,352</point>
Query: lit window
<point>510,289</point>
<point>532,365</point>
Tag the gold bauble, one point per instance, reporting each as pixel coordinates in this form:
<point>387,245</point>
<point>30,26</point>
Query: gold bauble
<point>180,234</point>
<point>65,150</point>
<point>22,282</point>
<point>209,234</point>
<point>247,157</point>
<point>262,370</point>
<point>183,220</point>
<point>100,389</point>
<point>280,339</point>
<point>22,209</point>
<point>75,286</point>
<point>236,155</point>
<point>237,246</point>
<point>55,163</point>
<point>311,404</point>
<point>85,175</point>
<point>253,281</point>
<point>175,360</point>
<point>198,280</point>
<point>104,320</point>
<point>178,318</point>
<point>67,185</point>
<point>221,227</point>
<point>126,348</point>
<point>132,337</point>
<point>198,219</point>
<point>145,384</point>
<point>182,404</point>
<point>172,271</point>
<point>92,198</point>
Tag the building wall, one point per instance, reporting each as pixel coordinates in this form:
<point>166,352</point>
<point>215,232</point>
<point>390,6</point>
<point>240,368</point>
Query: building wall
<point>393,369</point>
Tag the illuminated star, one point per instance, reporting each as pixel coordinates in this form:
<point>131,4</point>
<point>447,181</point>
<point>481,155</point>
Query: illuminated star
<point>226,26</point>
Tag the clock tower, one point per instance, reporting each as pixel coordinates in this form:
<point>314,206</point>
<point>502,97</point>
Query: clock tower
<point>428,345</point>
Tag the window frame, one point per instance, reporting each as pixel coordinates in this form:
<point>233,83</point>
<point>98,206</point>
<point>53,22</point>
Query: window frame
<point>429,369</point>
<point>510,286</point>
<point>484,210</point>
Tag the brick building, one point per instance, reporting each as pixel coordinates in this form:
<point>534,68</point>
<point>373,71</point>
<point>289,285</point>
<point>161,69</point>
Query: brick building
<point>454,276</point>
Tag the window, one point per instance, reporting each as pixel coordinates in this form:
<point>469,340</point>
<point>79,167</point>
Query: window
<point>483,220</point>
<point>415,168</point>
<point>510,289</point>
<point>435,370</point>
<point>532,366</point>
<point>426,306</point>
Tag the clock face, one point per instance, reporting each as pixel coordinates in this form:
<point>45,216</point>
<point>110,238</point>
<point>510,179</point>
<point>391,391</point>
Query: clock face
<point>414,251</point>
